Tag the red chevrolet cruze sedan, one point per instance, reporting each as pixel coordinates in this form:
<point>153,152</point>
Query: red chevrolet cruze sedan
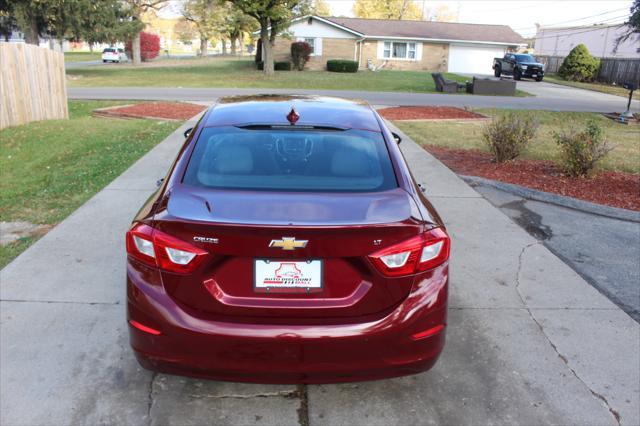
<point>289,243</point>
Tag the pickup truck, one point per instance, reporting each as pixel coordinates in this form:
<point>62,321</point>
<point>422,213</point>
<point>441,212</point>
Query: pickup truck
<point>518,65</point>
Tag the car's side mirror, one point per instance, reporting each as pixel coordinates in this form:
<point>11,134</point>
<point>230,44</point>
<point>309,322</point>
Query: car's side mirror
<point>396,137</point>
<point>188,132</point>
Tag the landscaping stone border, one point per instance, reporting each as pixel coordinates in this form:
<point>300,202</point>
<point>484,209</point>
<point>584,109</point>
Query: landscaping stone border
<point>559,200</point>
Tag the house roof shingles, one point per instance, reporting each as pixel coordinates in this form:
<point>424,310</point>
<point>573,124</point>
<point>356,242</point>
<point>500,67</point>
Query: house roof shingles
<point>430,30</point>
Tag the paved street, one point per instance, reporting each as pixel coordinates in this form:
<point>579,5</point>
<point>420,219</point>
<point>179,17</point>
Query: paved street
<point>551,97</point>
<point>528,341</point>
<point>603,250</point>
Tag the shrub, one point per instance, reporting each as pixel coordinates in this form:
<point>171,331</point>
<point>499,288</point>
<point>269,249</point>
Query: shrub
<point>580,151</point>
<point>508,134</point>
<point>579,65</point>
<point>149,46</point>
<point>342,65</point>
<point>282,66</point>
<point>278,66</point>
<point>300,54</point>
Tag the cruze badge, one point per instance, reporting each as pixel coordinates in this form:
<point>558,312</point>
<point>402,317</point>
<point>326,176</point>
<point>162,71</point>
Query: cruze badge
<point>206,240</point>
<point>288,243</point>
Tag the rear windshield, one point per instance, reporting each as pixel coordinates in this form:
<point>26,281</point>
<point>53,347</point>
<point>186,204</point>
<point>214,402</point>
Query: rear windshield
<point>109,50</point>
<point>290,160</point>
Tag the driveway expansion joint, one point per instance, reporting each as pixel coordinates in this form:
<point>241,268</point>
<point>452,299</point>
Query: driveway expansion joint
<point>564,359</point>
<point>281,394</point>
<point>71,302</point>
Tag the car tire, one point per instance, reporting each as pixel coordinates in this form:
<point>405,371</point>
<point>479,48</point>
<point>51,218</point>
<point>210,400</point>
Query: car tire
<point>539,78</point>
<point>104,61</point>
<point>497,71</point>
<point>517,74</point>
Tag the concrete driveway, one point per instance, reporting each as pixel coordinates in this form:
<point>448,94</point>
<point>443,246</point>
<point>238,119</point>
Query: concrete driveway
<point>529,341</point>
<point>551,97</point>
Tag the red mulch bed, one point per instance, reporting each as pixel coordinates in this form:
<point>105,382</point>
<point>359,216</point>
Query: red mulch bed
<point>427,113</point>
<point>162,110</point>
<point>610,188</point>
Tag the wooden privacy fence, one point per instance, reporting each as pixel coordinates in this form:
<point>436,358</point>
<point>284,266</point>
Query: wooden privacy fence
<point>612,70</point>
<point>32,84</point>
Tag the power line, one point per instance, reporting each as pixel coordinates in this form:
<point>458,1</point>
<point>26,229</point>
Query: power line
<point>575,20</point>
<point>591,29</point>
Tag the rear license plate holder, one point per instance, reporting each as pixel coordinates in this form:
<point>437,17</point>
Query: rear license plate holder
<point>287,276</point>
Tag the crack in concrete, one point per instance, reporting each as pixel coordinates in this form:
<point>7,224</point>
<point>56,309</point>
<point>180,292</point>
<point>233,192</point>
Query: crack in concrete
<point>488,308</point>
<point>59,301</point>
<point>303,411</point>
<point>284,394</point>
<point>565,360</point>
<point>150,398</point>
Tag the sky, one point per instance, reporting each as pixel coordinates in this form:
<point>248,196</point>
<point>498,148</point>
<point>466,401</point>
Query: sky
<point>522,15</point>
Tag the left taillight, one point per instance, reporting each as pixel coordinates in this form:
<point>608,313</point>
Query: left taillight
<point>420,253</point>
<point>155,248</point>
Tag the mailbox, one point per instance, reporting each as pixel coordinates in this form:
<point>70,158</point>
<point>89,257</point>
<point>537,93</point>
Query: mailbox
<point>630,86</point>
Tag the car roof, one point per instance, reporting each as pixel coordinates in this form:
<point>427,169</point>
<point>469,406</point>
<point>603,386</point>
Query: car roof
<point>273,110</point>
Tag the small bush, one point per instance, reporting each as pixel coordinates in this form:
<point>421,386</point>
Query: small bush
<point>508,134</point>
<point>579,65</point>
<point>300,54</point>
<point>149,46</point>
<point>278,66</point>
<point>282,66</point>
<point>580,151</point>
<point>342,65</point>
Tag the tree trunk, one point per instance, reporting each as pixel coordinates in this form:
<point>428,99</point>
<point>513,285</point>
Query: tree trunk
<point>136,58</point>
<point>91,47</point>
<point>233,39</point>
<point>203,46</point>
<point>224,46</point>
<point>31,33</point>
<point>267,46</point>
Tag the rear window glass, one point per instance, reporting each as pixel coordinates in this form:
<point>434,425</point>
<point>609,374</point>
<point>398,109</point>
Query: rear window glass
<point>290,160</point>
<point>109,50</point>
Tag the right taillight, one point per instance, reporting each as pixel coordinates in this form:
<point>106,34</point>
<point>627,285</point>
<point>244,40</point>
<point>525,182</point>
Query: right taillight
<point>155,248</point>
<point>420,253</point>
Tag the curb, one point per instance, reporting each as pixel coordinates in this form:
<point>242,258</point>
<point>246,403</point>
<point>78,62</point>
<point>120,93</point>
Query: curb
<point>558,200</point>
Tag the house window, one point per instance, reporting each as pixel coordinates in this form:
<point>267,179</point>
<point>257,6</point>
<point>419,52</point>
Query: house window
<point>399,50</point>
<point>312,43</point>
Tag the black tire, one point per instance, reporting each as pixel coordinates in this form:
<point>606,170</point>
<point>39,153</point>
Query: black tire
<point>104,61</point>
<point>497,71</point>
<point>517,74</point>
<point>539,78</point>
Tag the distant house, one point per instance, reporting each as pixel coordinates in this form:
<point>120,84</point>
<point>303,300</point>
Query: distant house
<point>400,44</point>
<point>599,39</point>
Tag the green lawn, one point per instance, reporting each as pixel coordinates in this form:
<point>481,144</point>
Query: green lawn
<point>459,135</point>
<point>597,87</point>
<point>82,56</point>
<point>50,168</point>
<point>242,73</point>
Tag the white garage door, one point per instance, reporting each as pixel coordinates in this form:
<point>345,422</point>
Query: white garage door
<point>473,59</point>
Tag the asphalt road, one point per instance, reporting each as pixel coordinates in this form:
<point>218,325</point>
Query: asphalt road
<point>549,97</point>
<point>604,251</point>
<point>528,340</point>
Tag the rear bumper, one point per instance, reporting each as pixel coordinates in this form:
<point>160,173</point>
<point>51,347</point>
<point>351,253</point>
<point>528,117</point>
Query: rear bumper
<point>265,353</point>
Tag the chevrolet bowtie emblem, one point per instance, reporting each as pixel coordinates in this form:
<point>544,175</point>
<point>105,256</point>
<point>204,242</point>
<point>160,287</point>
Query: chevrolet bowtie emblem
<point>288,243</point>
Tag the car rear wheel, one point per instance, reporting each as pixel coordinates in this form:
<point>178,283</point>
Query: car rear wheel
<point>497,71</point>
<point>517,74</point>
<point>104,61</point>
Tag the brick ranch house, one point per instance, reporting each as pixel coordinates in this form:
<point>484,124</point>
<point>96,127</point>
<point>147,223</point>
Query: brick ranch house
<point>402,44</point>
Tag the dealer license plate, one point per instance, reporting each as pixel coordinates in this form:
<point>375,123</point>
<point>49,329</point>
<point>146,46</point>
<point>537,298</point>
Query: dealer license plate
<point>287,276</point>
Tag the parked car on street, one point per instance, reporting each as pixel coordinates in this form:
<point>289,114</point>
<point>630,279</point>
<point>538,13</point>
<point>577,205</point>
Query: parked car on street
<point>288,243</point>
<point>113,54</point>
<point>518,65</point>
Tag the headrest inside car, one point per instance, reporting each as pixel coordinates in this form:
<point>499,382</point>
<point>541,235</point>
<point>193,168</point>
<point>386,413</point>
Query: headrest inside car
<point>233,159</point>
<point>350,162</point>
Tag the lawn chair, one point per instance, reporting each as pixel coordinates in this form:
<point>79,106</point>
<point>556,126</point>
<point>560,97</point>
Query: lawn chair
<point>444,85</point>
